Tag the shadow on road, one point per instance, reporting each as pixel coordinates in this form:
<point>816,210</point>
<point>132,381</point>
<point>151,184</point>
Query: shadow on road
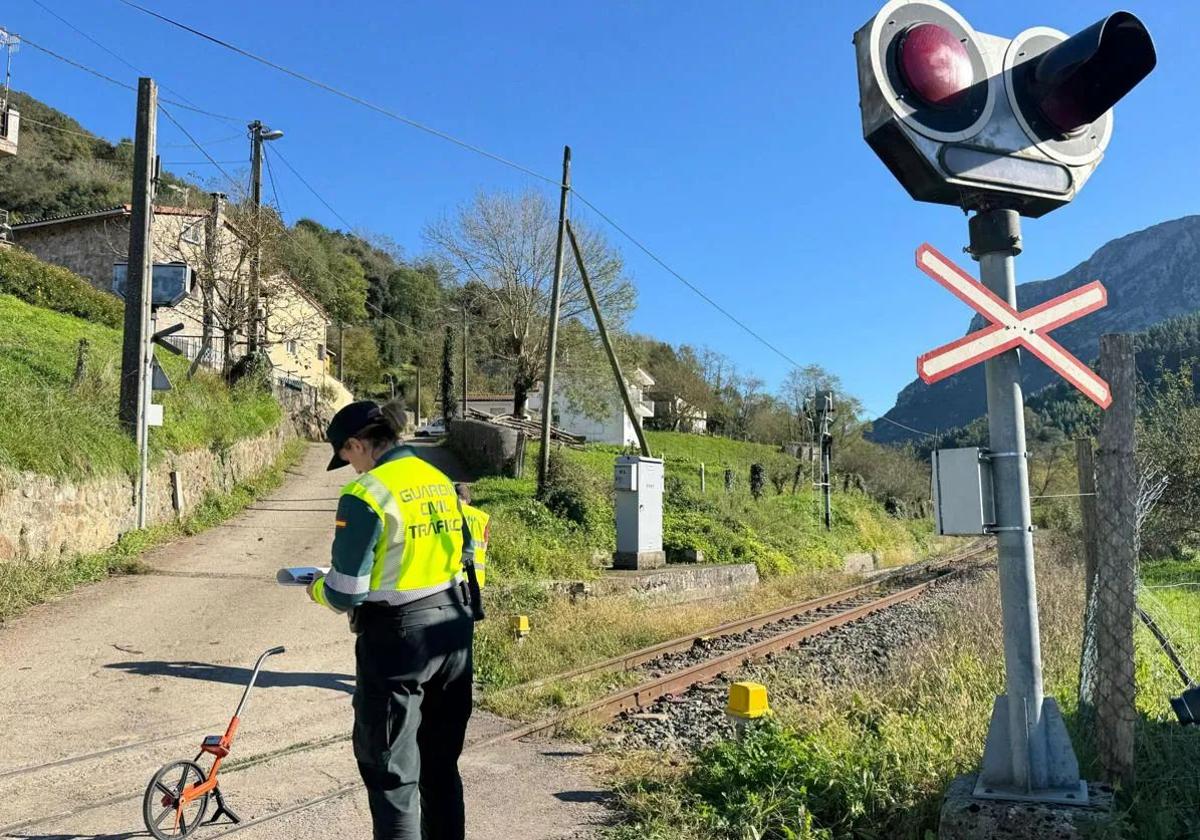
<point>124,835</point>
<point>237,676</point>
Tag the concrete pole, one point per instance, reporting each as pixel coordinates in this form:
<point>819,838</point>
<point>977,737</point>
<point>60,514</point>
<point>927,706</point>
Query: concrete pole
<point>138,287</point>
<point>552,327</point>
<point>417,412</point>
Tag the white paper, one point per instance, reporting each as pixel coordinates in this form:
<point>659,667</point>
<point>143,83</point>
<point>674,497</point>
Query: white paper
<point>299,575</point>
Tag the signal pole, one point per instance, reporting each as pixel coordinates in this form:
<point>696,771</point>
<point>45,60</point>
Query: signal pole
<point>463,309</point>
<point>552,329</point>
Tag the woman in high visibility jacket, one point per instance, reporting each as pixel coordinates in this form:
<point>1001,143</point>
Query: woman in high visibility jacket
<point>398,568</point>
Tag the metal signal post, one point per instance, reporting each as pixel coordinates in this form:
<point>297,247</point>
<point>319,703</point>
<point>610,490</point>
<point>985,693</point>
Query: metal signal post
<point>1001,127</point>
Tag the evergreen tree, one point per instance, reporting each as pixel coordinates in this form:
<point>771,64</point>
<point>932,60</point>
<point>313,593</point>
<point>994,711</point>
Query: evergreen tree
<point>449,404</point>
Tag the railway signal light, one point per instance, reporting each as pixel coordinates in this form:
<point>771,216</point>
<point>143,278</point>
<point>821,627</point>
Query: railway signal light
<point>980,121</point>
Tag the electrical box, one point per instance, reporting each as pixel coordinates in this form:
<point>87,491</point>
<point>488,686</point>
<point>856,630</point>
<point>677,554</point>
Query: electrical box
<point>638,486</point>
<point>963,502</point>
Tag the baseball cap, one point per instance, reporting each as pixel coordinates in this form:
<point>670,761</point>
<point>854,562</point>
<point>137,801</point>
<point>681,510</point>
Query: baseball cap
<point>347,423</point>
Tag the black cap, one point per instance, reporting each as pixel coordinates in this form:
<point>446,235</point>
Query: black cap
<point>347,423</point>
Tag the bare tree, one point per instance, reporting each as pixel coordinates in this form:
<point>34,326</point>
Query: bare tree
<point>501,248</point>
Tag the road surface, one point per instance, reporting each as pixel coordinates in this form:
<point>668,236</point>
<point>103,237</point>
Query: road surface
<point>101,687</point>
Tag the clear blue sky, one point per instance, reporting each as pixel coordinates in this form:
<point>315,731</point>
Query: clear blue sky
<point>725,135</point>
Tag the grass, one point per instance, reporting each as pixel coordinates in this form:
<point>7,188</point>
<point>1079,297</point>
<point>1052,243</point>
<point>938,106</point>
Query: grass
<point>48,425</point>
<point>782,533</point>
<point>872,758</point>
<point>26,583</point>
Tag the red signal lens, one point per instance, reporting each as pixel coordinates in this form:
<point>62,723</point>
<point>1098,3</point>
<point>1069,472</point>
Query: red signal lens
<point>935,65</point>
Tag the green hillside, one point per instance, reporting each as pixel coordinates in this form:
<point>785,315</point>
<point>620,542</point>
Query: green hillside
<point>570,535</point>
<point>51,426</point>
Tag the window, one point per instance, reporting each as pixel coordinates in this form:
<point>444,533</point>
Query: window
<point>292,347</point>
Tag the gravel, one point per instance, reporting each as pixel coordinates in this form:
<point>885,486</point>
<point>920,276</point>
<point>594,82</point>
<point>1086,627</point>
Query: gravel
<point>861,650</point>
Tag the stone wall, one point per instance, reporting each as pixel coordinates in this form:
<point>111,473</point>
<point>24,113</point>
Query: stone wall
<point>485,447</point>
<point>44,517</point>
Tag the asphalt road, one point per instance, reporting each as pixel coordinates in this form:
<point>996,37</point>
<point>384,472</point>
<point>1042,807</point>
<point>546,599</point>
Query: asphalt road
<point>100,688</point>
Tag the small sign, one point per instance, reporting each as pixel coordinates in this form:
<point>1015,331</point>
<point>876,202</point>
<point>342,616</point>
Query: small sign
<point>1009,328</point>
<point>172,282</point>
<point>154,414</point>
<point>159,380</point>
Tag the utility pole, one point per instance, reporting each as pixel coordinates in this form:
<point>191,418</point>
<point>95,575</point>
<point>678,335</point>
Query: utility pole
<point>341,351</point>
<point>258,134</point>
<point>552,336</point>
<point>135,348</point>
<point>824,400</point>
<point>417,412</point>
<point>463,309</point>
<point>608,347</point>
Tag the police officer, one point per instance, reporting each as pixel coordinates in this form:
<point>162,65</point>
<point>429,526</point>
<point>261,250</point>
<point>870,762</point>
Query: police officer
<point>479,524</point>
<point>401,553</point>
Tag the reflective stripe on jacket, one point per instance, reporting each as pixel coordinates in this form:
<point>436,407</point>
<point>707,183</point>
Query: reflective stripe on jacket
<point>402,539</point>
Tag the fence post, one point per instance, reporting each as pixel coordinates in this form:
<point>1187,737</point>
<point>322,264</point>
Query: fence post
<point>703,487</point>
<point>1116,559</point>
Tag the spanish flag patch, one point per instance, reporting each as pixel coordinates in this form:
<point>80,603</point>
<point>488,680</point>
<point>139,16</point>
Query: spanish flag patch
<point>341,523</point>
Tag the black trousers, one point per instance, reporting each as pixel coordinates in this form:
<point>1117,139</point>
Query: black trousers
<point>411,707</point>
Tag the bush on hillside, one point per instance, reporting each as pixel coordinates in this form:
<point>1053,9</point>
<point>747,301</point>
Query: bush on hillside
<point>573,493</point>
<point>887,472</point>
<point>24,276</point>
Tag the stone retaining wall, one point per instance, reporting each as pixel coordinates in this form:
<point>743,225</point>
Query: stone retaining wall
<point>487,448</point>
<point>44,517</point>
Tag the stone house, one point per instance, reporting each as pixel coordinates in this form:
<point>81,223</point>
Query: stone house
<point>215,313</point>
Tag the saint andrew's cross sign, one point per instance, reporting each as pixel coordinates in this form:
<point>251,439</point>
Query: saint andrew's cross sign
<point>1009,328</point>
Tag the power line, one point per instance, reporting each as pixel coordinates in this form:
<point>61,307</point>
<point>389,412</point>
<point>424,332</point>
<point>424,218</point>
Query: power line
<point>271,176</point>
<point>240,136</point>
<point>117,55</point>
<point>92,71</point>
<point>199,162</point>
<point>366,103</point>
<point>195,143</point>
<point>311,189</point>
<point>52,127</point>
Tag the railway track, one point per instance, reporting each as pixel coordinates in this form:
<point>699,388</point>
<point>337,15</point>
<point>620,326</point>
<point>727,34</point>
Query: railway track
<point>675,665</point>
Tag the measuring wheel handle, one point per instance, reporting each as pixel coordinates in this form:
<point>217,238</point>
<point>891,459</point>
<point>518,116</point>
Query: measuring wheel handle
<point>166,809</point>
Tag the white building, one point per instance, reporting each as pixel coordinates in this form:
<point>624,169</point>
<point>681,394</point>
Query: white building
<point>612,425</point>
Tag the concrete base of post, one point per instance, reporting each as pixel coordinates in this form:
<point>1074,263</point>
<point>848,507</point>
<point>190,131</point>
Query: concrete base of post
<point>1063,785</point>
<point>966,817</point>
<point>639,560</point>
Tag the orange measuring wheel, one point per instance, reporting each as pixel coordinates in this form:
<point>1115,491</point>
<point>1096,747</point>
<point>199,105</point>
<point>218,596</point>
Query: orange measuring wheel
<point>177,797</point>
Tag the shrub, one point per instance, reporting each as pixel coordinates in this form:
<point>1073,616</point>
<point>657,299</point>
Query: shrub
<point>24,276</point>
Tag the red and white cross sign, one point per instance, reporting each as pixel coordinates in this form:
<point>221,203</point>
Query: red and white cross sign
<point>1010,328</point>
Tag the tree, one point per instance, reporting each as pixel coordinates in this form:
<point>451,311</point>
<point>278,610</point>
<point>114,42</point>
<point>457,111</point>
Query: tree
<point>449,403</point>
<point>500,247</point>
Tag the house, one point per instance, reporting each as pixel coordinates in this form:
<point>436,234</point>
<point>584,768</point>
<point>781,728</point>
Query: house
<point>673,413</point>
<point>215,314</point>
<point>610,423</point>
<point>493,404</point>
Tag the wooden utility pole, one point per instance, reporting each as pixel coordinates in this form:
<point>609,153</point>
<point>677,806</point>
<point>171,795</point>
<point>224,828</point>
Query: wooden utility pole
<point>134,347</point>
<point>552,327</point>
<point>1085,459</point>
<point>608,347</point>
<point>1116,563</point>
<point>417,412</point>
<point>463,309</point>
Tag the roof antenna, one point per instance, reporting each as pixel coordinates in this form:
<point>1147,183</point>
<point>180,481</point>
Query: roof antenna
<point>10,43</point>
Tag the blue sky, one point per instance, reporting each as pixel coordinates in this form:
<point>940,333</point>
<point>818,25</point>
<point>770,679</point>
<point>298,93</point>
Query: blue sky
<point>724,135</point>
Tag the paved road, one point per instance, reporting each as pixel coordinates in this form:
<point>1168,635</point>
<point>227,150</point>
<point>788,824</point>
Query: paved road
<point>101,687</point>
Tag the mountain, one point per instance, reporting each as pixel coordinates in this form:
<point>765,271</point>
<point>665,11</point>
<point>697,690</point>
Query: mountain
<point>1151,276</point>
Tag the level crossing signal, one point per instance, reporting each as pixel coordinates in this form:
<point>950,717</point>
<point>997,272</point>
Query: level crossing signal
<point>980,121</point>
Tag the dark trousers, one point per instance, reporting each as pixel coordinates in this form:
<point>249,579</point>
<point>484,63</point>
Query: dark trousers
<point>411,707</point>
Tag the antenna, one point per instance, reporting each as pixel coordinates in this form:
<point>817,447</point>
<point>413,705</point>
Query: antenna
<point>10,43</point>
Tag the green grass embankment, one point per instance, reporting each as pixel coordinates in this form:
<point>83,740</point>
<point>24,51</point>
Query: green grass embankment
<point>781,533</point>
<point>51,426</point>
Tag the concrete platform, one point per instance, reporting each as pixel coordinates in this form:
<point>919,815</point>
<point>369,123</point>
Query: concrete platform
<point>966,818</point>
<point>674,584</point>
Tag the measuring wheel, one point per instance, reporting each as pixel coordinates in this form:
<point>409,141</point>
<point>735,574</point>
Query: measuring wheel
<point>160,807</point>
